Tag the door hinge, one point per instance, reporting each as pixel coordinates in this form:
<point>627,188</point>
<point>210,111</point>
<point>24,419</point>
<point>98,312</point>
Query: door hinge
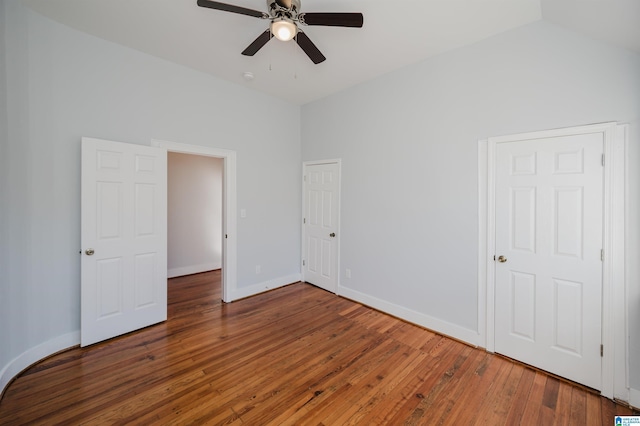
<point>601,350</point>
<point>303,262</point>
<point>304,178</point>
<point>603,159</point>
<point>304,220</point>
<point>225,236</point>
<point>602,255</point>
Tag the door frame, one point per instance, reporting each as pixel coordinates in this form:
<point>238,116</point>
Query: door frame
<point>303,250</point>
<point>614,320</point>
<point>229,207</point>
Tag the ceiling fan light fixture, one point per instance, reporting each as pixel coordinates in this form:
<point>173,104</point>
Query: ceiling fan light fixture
<point>284,29</point>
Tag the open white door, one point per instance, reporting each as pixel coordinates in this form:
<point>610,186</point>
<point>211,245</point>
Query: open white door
<point>123,237</point>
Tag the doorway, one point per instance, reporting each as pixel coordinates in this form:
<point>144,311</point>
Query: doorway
<point>124,234</point>
<point>229,224</point>
<point>194,214</point>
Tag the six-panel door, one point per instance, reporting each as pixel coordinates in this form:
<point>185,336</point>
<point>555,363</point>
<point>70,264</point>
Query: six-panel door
<point>321,225</point>
<point>124,238</point>
<point>549,207</point>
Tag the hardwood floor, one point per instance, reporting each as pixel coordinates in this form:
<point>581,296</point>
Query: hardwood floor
<point>293,356</point>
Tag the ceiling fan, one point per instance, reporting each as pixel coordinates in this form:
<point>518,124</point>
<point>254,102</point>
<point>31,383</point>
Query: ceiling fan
<point>285,17</point>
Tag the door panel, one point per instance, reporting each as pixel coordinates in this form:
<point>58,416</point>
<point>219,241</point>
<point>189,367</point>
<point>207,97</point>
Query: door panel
<point>523,219</point>
<point>549,207</point>
<point>321,225</point>
<point>124,204</point>
<point>523,290</point>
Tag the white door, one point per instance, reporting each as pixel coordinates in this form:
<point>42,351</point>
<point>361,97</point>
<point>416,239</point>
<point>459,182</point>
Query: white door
<point>123,237</point>
<point>549,233</point>
<point>321,198</point>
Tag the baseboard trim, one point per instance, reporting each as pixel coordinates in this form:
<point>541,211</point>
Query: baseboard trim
<point>634,398</point>
<point>252,290</point>
<point>194,269</point>
<point>35,354</point>
<point>446,328</point>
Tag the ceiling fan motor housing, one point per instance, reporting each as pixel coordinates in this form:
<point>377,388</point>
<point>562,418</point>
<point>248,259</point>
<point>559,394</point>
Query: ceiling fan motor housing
<point>284,8</point>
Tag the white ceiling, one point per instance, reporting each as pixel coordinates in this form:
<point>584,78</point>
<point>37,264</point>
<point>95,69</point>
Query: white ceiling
<point>395,34</point>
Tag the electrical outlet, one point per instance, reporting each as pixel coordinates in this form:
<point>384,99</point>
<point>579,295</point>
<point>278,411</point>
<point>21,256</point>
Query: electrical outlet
<point>347,273</point>
<point>258,269</point>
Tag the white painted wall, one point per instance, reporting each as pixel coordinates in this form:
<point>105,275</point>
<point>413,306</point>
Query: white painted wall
<point>409,148</point>
<point>62,85</point>
<point>194,188</point>
<point>4,198</point>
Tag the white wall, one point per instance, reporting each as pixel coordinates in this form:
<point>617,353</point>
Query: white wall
<point>408,143</point>
<point>194,237</point>
<point>4,166</point>
<point>62,85</point>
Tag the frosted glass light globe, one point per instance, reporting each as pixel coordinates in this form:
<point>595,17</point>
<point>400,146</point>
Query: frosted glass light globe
<point>283,29</point>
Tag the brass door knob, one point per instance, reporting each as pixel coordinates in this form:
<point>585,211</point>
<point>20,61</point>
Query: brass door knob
<point>89,252</point>
<point>333,234</point>
<point>502,259</point>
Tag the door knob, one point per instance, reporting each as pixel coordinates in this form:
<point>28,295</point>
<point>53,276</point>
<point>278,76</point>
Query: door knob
<point>333,234</point>
<point>502,259</point>
<point>89,252</point>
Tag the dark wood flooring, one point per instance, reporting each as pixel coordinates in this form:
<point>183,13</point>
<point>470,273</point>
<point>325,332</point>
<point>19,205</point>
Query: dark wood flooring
<point>293,356</point>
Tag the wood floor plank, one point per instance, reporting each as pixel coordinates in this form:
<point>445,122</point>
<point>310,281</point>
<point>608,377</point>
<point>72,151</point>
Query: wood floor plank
<point>564,399</point>
<point>518,401</point>
<point>493,393</point>
<point>594,412</point>
<point>533,409</point>
<point>295,355</point>
<point>430,377</point>
<point>485,374</point>
<point>499,401</point>
<point>578,407</point>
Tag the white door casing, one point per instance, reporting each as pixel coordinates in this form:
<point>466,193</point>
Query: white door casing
<point>123,238</point>
<point>614,301</point>
<point>229,209</point>
<point>548,288</point>
<point>321,199</point>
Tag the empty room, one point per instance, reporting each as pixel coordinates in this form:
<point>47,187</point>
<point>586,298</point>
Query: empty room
<point>328,212</point>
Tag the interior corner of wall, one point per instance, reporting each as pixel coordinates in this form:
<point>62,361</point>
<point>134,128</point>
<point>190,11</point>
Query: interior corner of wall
<point>29,357</point>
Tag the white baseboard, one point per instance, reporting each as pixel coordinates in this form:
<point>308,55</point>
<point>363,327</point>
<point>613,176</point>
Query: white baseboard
<point>35,354</point>
<point>193,269</point>
<point>634,397</point>
<point>439,326</point>
<point>241,293</point>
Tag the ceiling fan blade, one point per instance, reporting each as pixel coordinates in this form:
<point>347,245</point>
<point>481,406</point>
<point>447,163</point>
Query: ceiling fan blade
<point>309,48</point>
<point>231,8</point>
<point>257,44</point>
<point>332,19</point>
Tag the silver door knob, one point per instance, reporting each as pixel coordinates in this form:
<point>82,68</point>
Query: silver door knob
<point>333,234</point>
<point>502,259</point>
<point>89,252</point>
